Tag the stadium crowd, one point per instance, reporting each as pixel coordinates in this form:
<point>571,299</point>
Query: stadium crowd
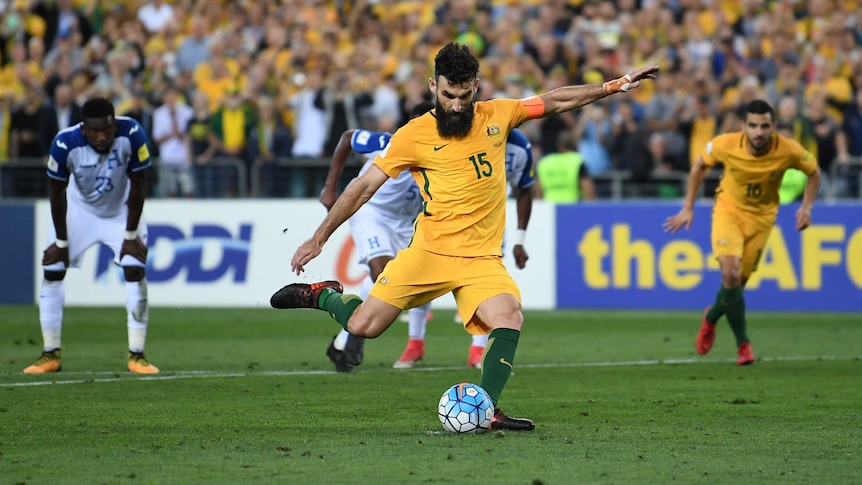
<point>273,83</point>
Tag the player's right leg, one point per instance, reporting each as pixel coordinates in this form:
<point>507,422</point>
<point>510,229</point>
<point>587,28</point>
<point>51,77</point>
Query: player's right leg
<point>51,302</point>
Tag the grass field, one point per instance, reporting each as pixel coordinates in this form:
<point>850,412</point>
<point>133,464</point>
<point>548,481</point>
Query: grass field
<point>247,396</point>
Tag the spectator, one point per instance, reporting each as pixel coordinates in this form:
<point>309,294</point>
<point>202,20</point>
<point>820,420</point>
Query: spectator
<point>341,104</point>
<point>563,176</point>
<point>699,125</point>
<point>64,109</point>
<point>61,19</point>
<point>663,113</point>
<point>229,126</point>
<point>28,139</point>
<point>194,49</point>
<point>198,145</point>
<point>170,125</point>
<point>828,136</point>
<point>156,15</point>
<point>593,129</point>
<point>268,141</point>
<point>629,146</point>
<point>138,108</point>
<point>7,183</point>
<point>309,120</point>
<point>851,151</point>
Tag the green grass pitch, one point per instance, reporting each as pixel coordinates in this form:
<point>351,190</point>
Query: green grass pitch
<point>248,396</point>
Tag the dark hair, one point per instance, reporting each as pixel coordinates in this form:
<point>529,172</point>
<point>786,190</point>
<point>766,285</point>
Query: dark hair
<point>421,108</point>
<point>456,63</point>
<point>97,108</point>
<point>759,107</point>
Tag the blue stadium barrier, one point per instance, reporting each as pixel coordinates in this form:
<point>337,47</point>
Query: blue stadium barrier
<point>17,283</point>
<point>616,255</point>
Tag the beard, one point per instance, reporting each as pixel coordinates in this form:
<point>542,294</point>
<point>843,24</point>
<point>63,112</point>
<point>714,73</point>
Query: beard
<point>454,125</point>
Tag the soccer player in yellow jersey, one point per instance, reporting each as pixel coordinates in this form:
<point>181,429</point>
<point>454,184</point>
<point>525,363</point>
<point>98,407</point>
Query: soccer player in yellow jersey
<point>456,153</point>
<point>746,204</point>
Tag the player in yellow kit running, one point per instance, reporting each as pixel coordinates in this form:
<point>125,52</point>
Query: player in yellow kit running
<point>456,153</point>
<point>746,204</point>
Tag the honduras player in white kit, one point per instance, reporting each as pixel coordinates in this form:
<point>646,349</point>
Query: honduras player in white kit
<point>521,178</point>
<point>380,228</point>
<point>106,156</point>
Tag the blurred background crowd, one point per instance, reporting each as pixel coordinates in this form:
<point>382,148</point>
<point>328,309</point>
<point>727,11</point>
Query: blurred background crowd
<point>249,98</point>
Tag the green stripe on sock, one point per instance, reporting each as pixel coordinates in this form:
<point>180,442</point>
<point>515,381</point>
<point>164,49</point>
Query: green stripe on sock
<point>498,360</point>
<point>339,306</point>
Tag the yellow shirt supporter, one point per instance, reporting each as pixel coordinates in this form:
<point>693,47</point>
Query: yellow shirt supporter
<point>462,181</point>
<point>751,183</point>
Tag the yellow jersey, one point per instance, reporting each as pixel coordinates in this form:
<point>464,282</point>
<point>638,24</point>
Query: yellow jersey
<point>750,183</point>
<point>462,181</point>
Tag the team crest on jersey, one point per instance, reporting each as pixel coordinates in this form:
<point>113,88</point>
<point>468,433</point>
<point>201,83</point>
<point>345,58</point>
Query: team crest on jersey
<point>493,132</point>
<point>383,281</point>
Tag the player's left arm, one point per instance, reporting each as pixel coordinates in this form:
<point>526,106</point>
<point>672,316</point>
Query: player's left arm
<point>525,209</point>
<point>809,165</point>
<point>568,98</point>
<point>139,161</point>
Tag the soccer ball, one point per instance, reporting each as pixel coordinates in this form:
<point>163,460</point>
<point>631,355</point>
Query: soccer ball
<point>466,408</point>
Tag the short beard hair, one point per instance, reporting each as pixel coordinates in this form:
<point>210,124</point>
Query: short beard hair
<point>455,125</point>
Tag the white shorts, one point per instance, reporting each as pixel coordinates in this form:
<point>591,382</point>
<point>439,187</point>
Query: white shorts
<point>376,233</point>
<point>86,229</point>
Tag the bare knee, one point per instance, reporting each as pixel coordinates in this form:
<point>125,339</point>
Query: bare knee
<point>731,277</point>
<point>134,273</point>
<point>363,326</point>
<point>501,311</point>
<point>54,275</point>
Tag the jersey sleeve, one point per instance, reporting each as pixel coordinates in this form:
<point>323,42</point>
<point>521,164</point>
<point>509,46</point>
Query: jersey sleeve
<point>709,153</point>
<point>140,156</point>
<point>398,154</point>
<point>58,156</point>
<point>365,141</point>
<point>515,110</point>
<point>803,160</point>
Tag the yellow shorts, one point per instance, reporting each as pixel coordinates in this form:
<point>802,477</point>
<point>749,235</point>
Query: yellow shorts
<point>744,235</point>
<point>415,277</point>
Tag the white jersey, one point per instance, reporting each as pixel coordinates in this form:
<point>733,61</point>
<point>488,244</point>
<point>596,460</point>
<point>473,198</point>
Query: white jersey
<point>519,162</point>
<point>398,197</point>
<point>100,184</point>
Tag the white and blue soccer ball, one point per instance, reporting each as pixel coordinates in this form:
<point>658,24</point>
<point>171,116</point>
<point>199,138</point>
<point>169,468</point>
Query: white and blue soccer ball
<point>466,408</point>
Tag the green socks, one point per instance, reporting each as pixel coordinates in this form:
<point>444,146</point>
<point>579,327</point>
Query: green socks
<point>730,302</point>
<point>497,361</point>
<point>339,306</point>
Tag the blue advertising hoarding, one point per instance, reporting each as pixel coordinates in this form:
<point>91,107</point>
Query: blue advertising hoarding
<point>616,255</point>
<point>16,253</point>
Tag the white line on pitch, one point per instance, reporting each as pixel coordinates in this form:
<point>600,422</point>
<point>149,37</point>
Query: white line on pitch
<point>201,374</point>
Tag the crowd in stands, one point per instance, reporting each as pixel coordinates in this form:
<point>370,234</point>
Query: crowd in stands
<point>268,82</point>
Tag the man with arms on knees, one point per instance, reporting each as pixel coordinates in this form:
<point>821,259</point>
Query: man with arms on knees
<point>456,153</point>
<point>107,157</point>
<point>746,204</point>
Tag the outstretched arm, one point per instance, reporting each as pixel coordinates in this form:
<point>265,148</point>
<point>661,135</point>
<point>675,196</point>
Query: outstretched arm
<point>339,158</point>
<point>356,194</point>
<point>686,214</point>
<point>571,97</point>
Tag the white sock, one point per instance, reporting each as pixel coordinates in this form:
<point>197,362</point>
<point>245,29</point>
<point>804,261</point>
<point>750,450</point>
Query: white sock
<point>480,340</point>
<point>365,287</point>
<point>418,321</point>
<point>341,339</point>
<point>138,314</point>
<point>52,297</point>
